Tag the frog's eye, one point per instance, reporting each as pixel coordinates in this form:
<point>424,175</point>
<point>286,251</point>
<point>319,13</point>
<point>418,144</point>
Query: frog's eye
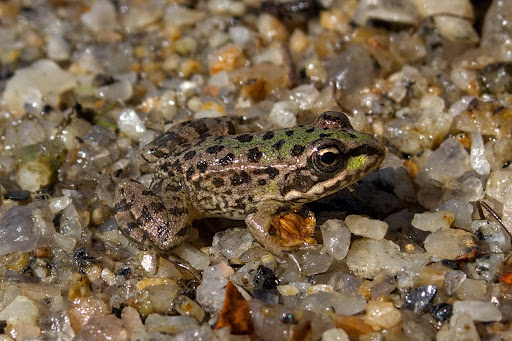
<point>328,159</point>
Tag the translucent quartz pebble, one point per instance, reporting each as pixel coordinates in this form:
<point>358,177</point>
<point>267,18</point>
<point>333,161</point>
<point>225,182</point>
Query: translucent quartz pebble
<point>478,161</point>
<point>448,244</point>
<point>210,293</point>
<point>478,310</point>
<point>336,238</point>
<point>17,231</point>
<point>43,79</point>
<point>232,243</point>
<point>365,227</point>
<point>433,221</point>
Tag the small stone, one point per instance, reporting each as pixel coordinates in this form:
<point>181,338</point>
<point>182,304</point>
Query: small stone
<point>83,309</point>
<point>199,260</point>
<point>30,86</point>
<point>283,115</point>
<point>461,327</point>
<point>101,16</point>
<point>478,161</point>
<point>212,290</point>
<point>442,312</point>
<point>232,243</point>
<point>171,325</point>
<point>17,230</point>
<point>333,303</point>
<point>445,164</point>
<point>188,307</point>
<point>382,315</point>
<point>471,289</point>
<point>478,310</point>
<point>419,298</point>
<point>492,233</point>
<point>449,244</point>
<point>133,323</point>
<point>498,183</point>
<point>433,221</point>
<point>21,315</point>
<point>336,238</point>
<point>453,281</point>
<point>366,227</point>
<point>130,124</point>
<point>313,262</point>
<point>335,334</point>
<point>462,212</point>
<point>265,285</point>
<point>103,328</point>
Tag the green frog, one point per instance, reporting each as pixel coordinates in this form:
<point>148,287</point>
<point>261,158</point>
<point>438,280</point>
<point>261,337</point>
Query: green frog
<point>204,169</point>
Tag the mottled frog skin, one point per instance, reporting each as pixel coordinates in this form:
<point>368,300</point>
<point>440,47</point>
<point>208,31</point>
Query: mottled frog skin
<point>204,169</point>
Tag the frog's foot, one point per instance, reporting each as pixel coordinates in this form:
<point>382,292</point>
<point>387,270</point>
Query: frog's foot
<point>187,132</point>
<point>269,225</point>
<point>148,219</point>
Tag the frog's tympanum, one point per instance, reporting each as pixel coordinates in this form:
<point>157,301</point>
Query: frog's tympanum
<point>204,169</point>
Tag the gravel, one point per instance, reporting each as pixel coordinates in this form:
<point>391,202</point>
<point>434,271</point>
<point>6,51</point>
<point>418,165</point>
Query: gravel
<point>417,250</point>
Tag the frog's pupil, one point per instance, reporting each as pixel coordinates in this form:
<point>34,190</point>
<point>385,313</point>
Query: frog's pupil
<point>328,158</point>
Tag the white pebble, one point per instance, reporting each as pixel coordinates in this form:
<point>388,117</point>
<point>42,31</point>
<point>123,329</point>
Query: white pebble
<point>117,91</point>
<point>336,238</point>
<point>130,124</point>
<point>306,96</point>
<point>17,233</point>
<point>282,114</point>
<point>478,310</point>
<point>21,315</point>
<point>43,79</point>
<point>433,221</point>
<point>196,258</point>
<point>58,49</point>
<point>240,35</point>
<point>448,244</point>
<point>462,212</point>
<point>366,227</point>
<point>478,160</point>
<point>335,334</point>
<point>101,16</point>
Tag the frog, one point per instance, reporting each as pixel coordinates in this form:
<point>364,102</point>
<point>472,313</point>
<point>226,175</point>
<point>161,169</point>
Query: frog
<point>206,168</point>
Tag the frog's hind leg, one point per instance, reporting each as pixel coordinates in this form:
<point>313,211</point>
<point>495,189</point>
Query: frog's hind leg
<point>259,223</point>
<point>188,132</point>
<point>153,221</point>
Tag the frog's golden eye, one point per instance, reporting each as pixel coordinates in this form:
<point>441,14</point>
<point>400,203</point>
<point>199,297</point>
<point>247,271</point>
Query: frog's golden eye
<point>328,159</point>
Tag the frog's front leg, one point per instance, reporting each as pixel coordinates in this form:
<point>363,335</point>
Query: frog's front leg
<point>153,221</point>
<point>259,223</point>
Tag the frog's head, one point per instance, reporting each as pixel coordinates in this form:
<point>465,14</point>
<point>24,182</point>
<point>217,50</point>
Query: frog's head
<point>335,156</point>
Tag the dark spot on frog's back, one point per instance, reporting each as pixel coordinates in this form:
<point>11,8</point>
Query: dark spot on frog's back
<point>238,179</point>
<point>214,149</point>
<point>226,160</point>
<point>189,155</point>
<point>189,173</point>
<point>278,144</point>
<point>262,182</point>
<point>254,155</point>
<point>297,150</point>
<point>218,182</point>
<point>244,138</point>
<point>268,135</point>
<point>289,133</point>
<point>271,172</point>
<point>202,166</point>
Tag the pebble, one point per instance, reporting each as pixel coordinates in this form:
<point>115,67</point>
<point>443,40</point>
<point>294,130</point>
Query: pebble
<point>335,334</point>
<point>21,315</point>
<point>366,227</point>
<point>448,244</point>
<point>283,115</point>
<point>103,328</point>
<point>17,230</point>
<point>478,310</point>
<point>419,298</point>
<point>461,327</point>
<point>210,293</point>
<point>232,243</point>
<point>130,124</point>
<point>336,238</point>
<point>433,221</point>
<point>331,303</point>
<point>264,285</point>
<point>382,315</point>
<point>199,260</point>
<point>101,16</point>
<point>35,85</point>
<point>442,312</point>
